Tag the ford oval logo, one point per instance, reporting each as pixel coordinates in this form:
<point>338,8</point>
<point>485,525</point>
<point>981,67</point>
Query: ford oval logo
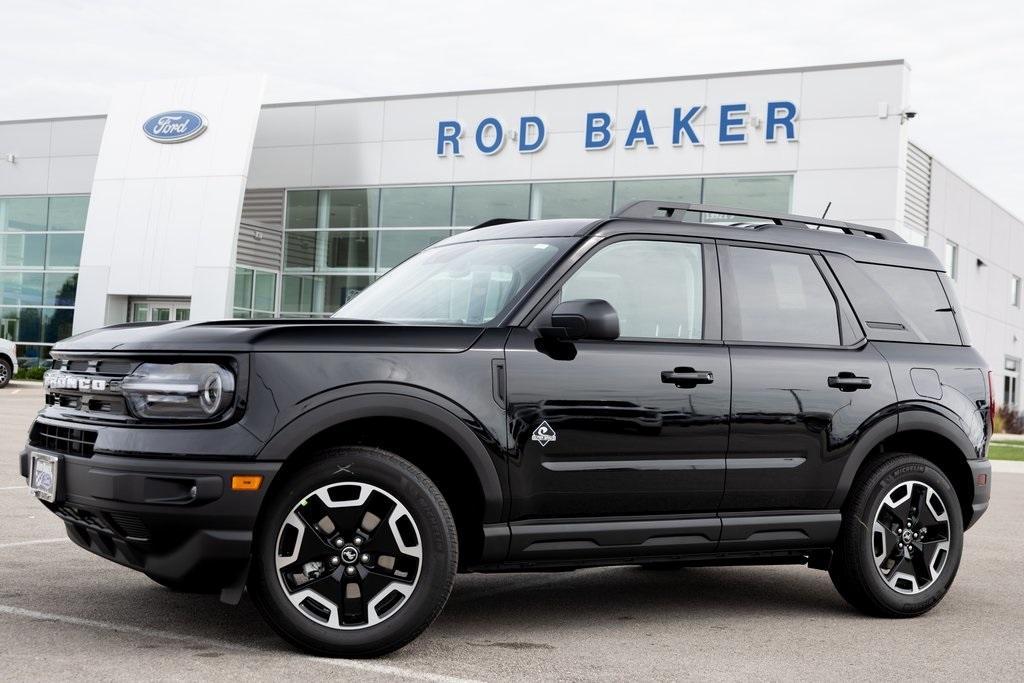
<point>174,126</point>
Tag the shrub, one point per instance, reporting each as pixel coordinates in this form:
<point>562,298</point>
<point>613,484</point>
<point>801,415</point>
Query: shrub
<point>1008,421</point>
<point>35,373</point>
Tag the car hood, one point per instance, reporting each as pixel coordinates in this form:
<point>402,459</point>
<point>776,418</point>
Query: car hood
<point>323,335</point>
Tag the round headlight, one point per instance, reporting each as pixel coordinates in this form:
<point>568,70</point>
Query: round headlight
<point>210,393</point>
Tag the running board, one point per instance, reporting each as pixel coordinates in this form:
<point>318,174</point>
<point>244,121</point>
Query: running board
<point>645,537</point>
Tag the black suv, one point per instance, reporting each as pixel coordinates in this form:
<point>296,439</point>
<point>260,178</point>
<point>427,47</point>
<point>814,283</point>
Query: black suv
<point>664,387</point>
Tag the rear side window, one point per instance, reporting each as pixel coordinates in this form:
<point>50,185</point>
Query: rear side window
<point>921,301</point>
<point>778,297</point>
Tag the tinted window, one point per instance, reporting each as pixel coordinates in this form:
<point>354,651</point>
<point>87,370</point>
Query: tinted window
<point>657,288</point>
<point>917,297</point>
<point>779,296</point>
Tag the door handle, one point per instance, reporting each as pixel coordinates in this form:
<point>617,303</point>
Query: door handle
<point>847,381</point>
<point>687,378</point>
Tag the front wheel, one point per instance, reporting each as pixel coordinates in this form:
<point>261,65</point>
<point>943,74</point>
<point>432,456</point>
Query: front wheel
<point>901,539</point>
<point>6,371</point>
<point>356,554</point>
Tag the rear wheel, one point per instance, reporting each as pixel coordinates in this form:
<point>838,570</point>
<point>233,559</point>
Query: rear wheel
<point>5,372</point>
<point>901,539</point>
<point>356,554</point>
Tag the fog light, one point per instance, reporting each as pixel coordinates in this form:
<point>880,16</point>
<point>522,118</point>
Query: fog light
<point>246,482</point>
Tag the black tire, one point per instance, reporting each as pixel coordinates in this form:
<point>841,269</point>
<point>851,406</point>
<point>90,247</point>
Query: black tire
<point>6,372</point>
<point>435,570</point>
<point>853,568</point>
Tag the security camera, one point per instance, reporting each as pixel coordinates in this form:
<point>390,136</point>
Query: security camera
<point>910,114</point>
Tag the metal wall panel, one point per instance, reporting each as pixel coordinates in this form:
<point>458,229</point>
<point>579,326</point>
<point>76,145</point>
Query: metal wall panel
<point>919,187</point>
<point>260,232</point>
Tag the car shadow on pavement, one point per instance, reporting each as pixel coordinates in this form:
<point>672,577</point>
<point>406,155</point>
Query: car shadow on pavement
<point>486,608</point>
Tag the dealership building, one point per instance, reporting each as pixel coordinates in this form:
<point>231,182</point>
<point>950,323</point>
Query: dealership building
<point>197,199</point>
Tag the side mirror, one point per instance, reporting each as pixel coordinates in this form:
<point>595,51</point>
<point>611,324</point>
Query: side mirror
<point>583,319</point>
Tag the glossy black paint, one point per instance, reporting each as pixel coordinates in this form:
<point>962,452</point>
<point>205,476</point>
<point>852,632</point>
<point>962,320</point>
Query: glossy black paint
<point>627,443</point>
<point>649,461</point>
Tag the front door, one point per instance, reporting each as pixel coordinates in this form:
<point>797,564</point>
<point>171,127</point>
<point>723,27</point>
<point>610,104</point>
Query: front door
<point>805,381</point>
<point>613,429</point>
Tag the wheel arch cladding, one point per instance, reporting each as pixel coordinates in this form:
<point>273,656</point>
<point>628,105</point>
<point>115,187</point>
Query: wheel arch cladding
<point>428,435</point>
<point>925,441</point>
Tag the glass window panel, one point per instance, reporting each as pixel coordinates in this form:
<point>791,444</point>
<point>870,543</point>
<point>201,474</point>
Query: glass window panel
<point>264,291</point>
<point>300,250</point>
<point>404,207</point>
<point>352,208</point>
<point>63,251</point>
<point>140,312</point>
<point>21,289</point>
<point>926,313</point>
<point>161,314</point>
<point>398,245</point>
<point>59,289</point>
<point>657,288</point>
<point>300,292</point>
<point>302,209</point>
<point>68,213</point>
<point>340,289</point>
<point>763,193</point>
<point>23,213</point>
<point>571,200</point>
<point>780,297</point>
<point>241,313</point>
<point>457,284</point>
<point>475,204</point>
<point>243,288</point>
<point>670,190</point>
<point>22,250</point>
<point>22,324</point>
<point>350,248</point>
<point>952,256</point>
<point>182,313</point>
<point>57,324</point>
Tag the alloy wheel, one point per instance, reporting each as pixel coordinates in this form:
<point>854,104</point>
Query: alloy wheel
<point>348,555</point>
<point>910,537</point>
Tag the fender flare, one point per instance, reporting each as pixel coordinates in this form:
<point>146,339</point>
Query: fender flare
<point>381,400</point>
<point>910,417</point>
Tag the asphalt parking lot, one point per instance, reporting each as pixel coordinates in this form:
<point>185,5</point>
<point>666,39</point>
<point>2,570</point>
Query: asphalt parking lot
<point>67,614</point>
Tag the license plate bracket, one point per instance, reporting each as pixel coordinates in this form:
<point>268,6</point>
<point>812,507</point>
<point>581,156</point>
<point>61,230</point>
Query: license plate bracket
<point>43,476</point>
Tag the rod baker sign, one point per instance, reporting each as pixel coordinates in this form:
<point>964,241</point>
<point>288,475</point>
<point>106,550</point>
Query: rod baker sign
<point>491,134</point>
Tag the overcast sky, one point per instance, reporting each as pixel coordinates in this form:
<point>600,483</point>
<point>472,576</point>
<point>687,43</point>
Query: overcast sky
<point>967,58</point>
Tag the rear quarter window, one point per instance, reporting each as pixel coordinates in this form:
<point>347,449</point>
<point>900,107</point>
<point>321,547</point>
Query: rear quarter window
<point>899,304</point>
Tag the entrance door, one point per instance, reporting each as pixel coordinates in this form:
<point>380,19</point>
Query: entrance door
<point>610,429</point>
<point>148,310</point>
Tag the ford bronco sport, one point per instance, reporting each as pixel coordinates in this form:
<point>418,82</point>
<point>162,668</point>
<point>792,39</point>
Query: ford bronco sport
<point>649,389</point>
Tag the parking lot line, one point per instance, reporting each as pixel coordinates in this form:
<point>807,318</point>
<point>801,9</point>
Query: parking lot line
<point>357,665</point>
<point>13,488</point>
<point>36,542</point>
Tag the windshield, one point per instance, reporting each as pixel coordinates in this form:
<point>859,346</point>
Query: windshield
<point>467,283</point>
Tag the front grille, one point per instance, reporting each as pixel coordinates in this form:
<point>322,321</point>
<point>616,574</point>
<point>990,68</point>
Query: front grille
<point>66,440</point>
<point>120,524</point>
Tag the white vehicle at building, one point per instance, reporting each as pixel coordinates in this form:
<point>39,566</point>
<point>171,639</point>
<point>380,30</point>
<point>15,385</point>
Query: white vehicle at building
<point>8,362</point>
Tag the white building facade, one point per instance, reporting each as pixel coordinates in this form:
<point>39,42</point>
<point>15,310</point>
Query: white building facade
<point>195,199</point>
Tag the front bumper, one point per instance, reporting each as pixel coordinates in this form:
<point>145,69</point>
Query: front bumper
<point>176,520</point>
<point>981,474</point>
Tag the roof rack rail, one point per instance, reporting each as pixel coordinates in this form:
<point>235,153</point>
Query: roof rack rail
<point>650,209</point>
<point>496,221</point>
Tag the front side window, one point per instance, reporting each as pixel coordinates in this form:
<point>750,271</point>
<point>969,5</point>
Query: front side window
<point>778,297</point>
<point>468,283</point>
<point>657,288</point>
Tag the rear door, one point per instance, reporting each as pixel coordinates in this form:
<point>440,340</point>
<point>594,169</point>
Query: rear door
<point>806,383</point>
